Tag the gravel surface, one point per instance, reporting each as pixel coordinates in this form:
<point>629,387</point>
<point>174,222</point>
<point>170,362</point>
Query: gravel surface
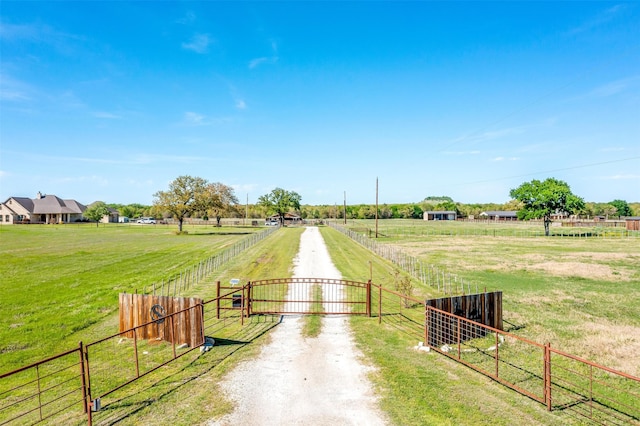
<point>298,381</point>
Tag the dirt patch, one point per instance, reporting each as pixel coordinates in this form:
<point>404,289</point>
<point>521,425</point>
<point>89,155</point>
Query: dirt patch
<point>617,346</point>
<point>592,271</point>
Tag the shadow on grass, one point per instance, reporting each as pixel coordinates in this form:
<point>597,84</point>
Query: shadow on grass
<point>166,382</point>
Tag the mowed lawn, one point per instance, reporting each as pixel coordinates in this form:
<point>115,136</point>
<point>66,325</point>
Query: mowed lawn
<point>56,281</point>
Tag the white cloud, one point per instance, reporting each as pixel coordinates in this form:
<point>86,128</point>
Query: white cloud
<point>476,152</point>
<point>266,59</point>
<point>199,43</point>
<point>102,114</point>
<point>14,90</point>
<point>188,18</point>
<point>505,159</point>
<point>614,87</point>
<point>191,118</point>
<point>240,104</point>
<point>598,20</point>
<point>194,118</point>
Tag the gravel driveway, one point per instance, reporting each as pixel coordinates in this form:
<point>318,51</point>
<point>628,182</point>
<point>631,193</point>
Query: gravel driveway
<point>298,381</point>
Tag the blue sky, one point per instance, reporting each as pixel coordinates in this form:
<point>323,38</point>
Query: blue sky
<point>113,100</point>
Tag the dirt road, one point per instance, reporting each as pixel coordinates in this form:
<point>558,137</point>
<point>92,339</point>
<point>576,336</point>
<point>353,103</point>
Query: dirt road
<point>298,381</point>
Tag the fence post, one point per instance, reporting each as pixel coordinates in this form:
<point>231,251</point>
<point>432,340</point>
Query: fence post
<point>87,381</point>
<point>217,299</point>
<point>427,324</point>
<point>458,337</point>
<point>368,308</point>
<point>83,378</point>
<point>497,355</point>
<point>249,291</point>
<point>547,375</point>
<point>380,304</point>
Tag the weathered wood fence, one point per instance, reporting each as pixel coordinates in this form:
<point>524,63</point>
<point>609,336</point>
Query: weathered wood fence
<point>483,308</point>
<point>143,309</point>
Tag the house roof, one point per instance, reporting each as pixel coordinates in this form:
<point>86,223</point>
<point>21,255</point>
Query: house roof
<point>440,212</point>
<point>26,203</point>
<point>53,204</point>
<point>501,213</point>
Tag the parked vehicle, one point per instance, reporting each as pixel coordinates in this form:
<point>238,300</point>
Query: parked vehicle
<point>146,220</point>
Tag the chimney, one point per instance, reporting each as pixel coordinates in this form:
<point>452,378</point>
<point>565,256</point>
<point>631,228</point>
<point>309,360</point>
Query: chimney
<point>39,196</point>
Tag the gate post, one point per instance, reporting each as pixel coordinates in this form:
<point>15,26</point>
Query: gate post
<point>369,298</point>
<point>427,325</point>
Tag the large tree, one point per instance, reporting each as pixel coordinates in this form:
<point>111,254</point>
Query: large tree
<point>219,199</point>
<point>96,211</point>
<point>280,202</point>
<point>185,196</point>
<point>622,208</point>
<point>541,199</point>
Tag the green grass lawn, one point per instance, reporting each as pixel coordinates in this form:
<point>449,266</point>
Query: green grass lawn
<point>60,285</point>
<point>59,280</point>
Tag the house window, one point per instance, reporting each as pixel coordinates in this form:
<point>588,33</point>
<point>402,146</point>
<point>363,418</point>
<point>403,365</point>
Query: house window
<point>6,218</point>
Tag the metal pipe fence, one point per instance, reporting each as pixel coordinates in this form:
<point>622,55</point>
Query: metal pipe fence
<point>429,275</point>
<point>562,382</point>
<point>72,387</point>
<point>51,389</point>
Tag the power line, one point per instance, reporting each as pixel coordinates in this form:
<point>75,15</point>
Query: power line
<point>552,171</point>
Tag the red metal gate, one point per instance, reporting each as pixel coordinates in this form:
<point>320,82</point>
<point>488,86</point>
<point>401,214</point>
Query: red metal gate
<point>298,296</point>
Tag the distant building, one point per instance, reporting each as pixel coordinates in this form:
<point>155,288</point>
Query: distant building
<point>633,223</point>
<point>42,209</point>
<point>499,215</point>
<point>445,215</point>
<point>289,218</point>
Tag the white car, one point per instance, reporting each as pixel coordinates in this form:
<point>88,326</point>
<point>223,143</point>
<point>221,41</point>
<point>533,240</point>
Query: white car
<point>146,220</point>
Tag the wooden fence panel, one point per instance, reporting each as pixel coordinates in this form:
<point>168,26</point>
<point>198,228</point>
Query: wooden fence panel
<point>484,308</point>
<point>135,310</point>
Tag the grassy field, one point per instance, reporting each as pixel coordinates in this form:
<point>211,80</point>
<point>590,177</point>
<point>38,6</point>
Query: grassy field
<point>582,295</point>
<point>60,285</point>
<point>60,280</point>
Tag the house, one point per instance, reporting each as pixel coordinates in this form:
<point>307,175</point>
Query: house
<point>289,218</point>
<point>444,215</point>
<point>499,215</point>
<point>42,209</point>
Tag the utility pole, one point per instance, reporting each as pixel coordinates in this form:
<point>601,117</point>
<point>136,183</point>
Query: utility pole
<point>376,207</point>
<point>246,210</point>
<point>345,207</point>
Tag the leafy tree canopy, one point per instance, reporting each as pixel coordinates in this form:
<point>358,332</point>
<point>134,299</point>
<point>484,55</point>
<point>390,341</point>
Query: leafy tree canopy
<point>185,196</point>
<point>541,199</point>
<point>280,201</point>
<point>623,209</point>
<point>220,199</point>
<point>437,199</point>
<point>96,211</point>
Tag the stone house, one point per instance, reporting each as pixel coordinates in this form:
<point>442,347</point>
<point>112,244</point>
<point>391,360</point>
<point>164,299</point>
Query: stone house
<point>42,209</point>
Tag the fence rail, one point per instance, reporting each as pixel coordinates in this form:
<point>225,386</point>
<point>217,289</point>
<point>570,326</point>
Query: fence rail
<point>68,387</point>
<point>429,275</point>
<point>187,279</point>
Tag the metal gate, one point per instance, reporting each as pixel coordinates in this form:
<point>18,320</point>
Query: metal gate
<point>324,296</point>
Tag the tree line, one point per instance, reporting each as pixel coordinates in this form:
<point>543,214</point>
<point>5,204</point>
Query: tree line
<point>195,197</point>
